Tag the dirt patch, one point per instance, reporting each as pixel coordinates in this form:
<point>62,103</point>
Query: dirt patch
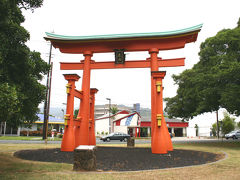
<point>125,159</point>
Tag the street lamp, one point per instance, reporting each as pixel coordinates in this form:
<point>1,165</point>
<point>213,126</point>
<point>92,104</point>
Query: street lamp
<point>63,113</point>
<point>61,129</point>
<point>109,106</point>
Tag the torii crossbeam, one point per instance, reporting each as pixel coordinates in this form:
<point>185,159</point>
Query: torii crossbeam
<point>82,131</point>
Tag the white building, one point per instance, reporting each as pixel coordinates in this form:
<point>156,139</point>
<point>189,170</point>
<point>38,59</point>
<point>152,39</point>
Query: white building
<point>123,121</point>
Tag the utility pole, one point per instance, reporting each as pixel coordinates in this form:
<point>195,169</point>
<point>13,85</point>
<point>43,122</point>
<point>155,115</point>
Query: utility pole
<point>217,124</point>
<point>110,123</point>
<point>47,99</point>
<point>49,92</point>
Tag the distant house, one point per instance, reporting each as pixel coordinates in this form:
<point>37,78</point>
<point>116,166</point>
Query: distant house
<point>176,126</point>
<point>126,121</point>
<point>122,121</point>
<point>135,125</point>
<point>53,123</point>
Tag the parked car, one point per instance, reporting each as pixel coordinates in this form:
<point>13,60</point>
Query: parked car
<point>233,134</point>
<point>115,136</point>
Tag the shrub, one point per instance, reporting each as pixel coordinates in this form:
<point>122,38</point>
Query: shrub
<point>214,129</point>
<point>238,125</point>
<point>34,133</point>
<point>59,135</point>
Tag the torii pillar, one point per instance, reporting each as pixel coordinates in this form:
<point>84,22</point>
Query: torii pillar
<point>161,141</point>
<point>91,122</point>
<point>85,103</point>
<point>92,138</point>
<point>68,141</point>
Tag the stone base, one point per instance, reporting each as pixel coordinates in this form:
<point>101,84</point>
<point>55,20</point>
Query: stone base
<point>85,158</point>
<point>131,142</point>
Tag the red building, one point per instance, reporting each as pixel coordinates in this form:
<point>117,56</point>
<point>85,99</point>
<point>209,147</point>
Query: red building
<point>176,126</point>
<point>139,124</point>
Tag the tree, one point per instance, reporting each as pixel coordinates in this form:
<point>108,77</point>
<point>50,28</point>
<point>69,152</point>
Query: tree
<point>213,82</point>
<point>197,129</point>
<point>9,101</point>
<point>214,129</point>
<point>20,69</point>
<point>113,110</point>
<point>76,113</point>
<point>238,125</point>
<point>228,124</point>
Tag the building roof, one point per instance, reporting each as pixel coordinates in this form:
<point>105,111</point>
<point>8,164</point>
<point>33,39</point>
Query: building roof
<point>173,120</point>
<point>146,116</point>
<point>51,120</point>
<point>118,116</point>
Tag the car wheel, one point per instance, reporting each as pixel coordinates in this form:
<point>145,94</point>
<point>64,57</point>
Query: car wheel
<point>226,138</point>
<point>108,139</point>
<point>121,140</point>
<point>234,137</point>
<point>125,139</point>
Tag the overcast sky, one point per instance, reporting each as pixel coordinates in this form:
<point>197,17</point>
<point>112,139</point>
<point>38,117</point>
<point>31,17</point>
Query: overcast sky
<point>96,17</point>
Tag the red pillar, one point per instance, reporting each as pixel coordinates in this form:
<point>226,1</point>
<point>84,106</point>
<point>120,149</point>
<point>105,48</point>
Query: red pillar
<point>154,67</point>
<point>85,105</point>
<point>158,76</point>
<point>68,141</point>
<point>167,135</point>
<point>77,127</point>
<point>159,140</point>
<point>92,138</point>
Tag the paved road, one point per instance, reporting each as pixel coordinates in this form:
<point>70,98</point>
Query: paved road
<point>137,141</point>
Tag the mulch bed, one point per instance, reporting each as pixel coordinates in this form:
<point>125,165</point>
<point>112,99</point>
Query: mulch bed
<point>125,159</point>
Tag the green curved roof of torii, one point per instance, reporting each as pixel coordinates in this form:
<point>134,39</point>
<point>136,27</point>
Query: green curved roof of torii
<point>51,36</point>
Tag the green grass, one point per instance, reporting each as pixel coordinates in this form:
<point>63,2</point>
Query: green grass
<point>27,138</point>
<point>14,168</point>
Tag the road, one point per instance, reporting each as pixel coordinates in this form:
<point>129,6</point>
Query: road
<point>175,140</point>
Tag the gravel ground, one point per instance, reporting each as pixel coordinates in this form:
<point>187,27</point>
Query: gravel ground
<point>125,159</point>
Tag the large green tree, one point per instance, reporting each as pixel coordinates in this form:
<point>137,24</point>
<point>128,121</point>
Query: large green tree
<point>213,82</point>
<point>20,69</point>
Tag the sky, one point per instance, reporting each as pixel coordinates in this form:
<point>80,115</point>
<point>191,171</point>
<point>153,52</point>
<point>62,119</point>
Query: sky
<point>95,17</point>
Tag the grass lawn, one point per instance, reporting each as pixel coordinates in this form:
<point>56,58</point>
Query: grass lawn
<point>27,138</point>
<point>14,168</point>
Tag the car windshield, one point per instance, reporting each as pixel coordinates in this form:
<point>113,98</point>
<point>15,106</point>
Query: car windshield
<point>111,134</point>
<point>232,132</point>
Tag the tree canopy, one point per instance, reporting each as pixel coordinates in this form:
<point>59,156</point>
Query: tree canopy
<point>213,82</point>
<point>20,69</point>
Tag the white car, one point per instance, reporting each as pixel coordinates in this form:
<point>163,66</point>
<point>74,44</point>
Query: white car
<point>233,134</point>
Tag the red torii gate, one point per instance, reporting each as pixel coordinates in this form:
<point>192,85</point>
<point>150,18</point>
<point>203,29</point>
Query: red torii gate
<point>80,131</point>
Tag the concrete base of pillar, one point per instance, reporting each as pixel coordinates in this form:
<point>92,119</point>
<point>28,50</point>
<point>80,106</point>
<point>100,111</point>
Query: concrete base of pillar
<point>85,158</point>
